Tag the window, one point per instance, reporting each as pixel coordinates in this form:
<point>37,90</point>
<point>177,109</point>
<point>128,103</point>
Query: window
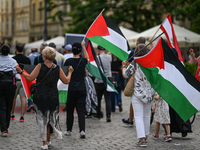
<point>7,25</point>
<point>2,29</point>
<point>18,3</point>
<point>18,24</point>
<point>6,4</point>
<point>22,24</point>
<point>65,6</point>
<point>33,12</point>
<point>26,23</point>
<point>1,4</point>
<point>40,12</point>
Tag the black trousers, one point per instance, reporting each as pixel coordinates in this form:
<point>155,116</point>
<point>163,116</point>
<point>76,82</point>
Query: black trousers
<point>7,93</point>
<point>101,90</point>
<point>76,99</point>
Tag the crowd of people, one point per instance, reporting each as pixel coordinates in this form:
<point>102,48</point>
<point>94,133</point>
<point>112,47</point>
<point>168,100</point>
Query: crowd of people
<point>45,101</point>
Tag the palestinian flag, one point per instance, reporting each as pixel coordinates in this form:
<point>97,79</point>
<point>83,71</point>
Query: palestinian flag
<point>27,86</point>
<point>94,68</point>
<point>107,34</point>
<point>172,81</point>
<point>167,27</point>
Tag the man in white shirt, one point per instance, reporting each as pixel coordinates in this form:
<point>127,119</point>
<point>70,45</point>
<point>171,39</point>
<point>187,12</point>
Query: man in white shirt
<point>68,51</point>
<point>59,57</point>
<point>105,62</point>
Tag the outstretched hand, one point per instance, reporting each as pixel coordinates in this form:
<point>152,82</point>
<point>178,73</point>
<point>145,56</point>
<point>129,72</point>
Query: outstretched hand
<point>18,69</point>
<point>83,43</point>
<point>191,51</point>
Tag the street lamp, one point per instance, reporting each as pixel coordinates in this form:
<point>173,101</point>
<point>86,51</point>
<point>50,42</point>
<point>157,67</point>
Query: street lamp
<point>45,20</point>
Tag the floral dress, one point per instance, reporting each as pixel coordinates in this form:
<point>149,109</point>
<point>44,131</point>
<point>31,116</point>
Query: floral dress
<point>162,112</point>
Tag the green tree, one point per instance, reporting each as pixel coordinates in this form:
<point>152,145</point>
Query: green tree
<point>138,14</point>
<point>182,10</point>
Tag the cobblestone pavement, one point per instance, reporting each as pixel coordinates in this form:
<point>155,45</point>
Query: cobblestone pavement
<point>100,135</point>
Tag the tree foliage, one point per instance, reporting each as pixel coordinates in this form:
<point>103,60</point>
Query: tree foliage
<point>137,15</point>
<point>182,10</point>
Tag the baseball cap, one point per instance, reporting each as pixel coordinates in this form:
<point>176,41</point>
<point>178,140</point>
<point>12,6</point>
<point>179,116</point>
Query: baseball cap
<point>100,47</point>
<point>68,47</point>
<point>77,46</point>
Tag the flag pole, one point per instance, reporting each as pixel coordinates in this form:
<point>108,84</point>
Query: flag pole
<point>154,34</point>
<point>145,46</point>
<point>93,23</point>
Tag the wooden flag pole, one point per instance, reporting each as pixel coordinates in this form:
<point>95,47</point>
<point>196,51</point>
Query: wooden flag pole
<point>154,34</point>
<point>93,23</point>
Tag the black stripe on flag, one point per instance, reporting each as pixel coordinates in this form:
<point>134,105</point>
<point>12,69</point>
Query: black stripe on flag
<point>111,24</point>
<point>171,58</point>
<point>98,65</point>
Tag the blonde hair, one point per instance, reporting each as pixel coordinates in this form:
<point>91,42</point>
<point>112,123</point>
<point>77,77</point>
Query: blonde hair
<point>49,53</point>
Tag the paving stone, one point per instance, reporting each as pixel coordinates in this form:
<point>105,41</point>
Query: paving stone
<point>100,135</point>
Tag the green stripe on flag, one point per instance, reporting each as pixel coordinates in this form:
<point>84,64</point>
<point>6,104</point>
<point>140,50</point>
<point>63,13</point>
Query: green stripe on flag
<point>63,96</point>
<point>121,54</point>
<point>169,93</point>
<point>94,70</point>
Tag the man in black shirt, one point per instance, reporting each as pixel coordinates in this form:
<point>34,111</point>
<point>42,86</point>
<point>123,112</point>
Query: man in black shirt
<point>20,58</point>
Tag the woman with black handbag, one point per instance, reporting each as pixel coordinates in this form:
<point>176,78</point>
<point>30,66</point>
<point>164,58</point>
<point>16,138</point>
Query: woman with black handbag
<point>45,97</point>
<point>7,88</point>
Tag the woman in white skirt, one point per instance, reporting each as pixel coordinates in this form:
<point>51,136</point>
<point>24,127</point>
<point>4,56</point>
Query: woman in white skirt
<point>162,117</point>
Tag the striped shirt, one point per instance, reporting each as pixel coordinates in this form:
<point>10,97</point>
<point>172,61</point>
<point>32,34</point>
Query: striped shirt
<point>8,64</point>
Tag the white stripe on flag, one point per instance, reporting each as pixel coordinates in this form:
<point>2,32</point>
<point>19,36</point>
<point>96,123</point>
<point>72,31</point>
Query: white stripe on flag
<point>168,28</point>
<point>175,77</point>
<point>117,40</point>
<point>109,89</point>
<point>93,63</point>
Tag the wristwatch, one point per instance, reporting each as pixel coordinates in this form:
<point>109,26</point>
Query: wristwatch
<point>21,72</point>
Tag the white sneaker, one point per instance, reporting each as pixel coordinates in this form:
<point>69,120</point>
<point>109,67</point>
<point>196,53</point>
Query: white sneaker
<point>49,143</point>
<point>44,147</point>
<point>82,134</point>
<point>68,133</point>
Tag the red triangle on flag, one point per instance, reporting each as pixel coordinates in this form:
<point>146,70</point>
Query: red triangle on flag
<point>155,58</point>
<point>89,51</point>
<point>98,28</point>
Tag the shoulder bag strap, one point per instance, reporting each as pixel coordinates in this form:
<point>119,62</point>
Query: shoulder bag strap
<point>101,63</point>
<point>46,74</point>
<point>78,64</point>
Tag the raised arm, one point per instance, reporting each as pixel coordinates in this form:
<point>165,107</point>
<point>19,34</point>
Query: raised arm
<point>33,74</point>
<point>84,50</point>
<point>194,59</point>
<point>66,79</point>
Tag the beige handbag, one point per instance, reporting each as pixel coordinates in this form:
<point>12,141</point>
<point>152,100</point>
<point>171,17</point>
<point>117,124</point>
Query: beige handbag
<point>128,91</point>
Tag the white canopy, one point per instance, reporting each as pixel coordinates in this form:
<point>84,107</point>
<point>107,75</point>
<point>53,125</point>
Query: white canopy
<point>127,32</point>
<point>184,37</point>
<point>59,41</point>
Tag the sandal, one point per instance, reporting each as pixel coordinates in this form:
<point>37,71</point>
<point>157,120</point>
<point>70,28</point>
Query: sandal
<point>168,138</point>
<point>155,136</point>
<point>142,144</point>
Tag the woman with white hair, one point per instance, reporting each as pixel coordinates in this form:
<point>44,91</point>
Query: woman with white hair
<point>45,97</point>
